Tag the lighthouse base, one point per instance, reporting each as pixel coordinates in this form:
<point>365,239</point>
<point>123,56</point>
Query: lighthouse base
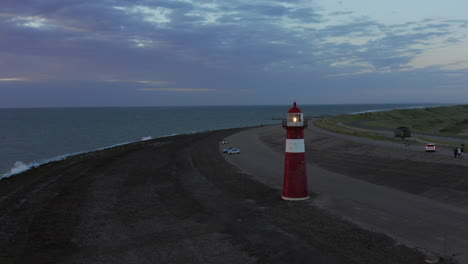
<point>295,199</point>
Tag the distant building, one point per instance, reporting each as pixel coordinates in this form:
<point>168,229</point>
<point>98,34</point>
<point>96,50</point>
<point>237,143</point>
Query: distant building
<point>402,132</point>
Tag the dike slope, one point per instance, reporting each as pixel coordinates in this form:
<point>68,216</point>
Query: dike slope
<point>172,200</point>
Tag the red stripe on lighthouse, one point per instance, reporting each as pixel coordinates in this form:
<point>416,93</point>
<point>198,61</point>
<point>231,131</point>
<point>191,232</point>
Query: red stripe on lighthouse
<point>295,180</point>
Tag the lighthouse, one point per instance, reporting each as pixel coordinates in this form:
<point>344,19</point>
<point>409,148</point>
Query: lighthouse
<point>295,175</point>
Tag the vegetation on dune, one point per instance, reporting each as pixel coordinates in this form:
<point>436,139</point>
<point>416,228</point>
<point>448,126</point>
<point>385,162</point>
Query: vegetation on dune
<point>458,127</point>
<point>331,126</point>
<point>445,119</point>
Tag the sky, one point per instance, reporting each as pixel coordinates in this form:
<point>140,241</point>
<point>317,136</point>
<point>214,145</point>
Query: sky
<point>73,53</point>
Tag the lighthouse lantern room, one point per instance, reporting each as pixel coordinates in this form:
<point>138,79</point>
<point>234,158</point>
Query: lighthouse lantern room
<point>295,119</point>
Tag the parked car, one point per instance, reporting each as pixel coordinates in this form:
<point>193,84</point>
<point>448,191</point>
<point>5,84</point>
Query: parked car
<point>233,151</point>
<point>227,149</point>
<point>430,147</point>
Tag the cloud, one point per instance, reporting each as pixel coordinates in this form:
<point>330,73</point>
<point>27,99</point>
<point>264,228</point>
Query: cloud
<point>33,22</point>
<point>135,81</point>
<point>454,86</point>
<point>257,45</point>
<point>178,89</point>
<point>156,15</point>
<point>443,26</point>
<point>307,15</point>
<point>13,79</point>
<point>267,10</point>
<point>453,40</point>
<point>221,34</point>
<point>385,48</point>
<point>341,13</point>
<point>351,73</point>
<point>356,28</point>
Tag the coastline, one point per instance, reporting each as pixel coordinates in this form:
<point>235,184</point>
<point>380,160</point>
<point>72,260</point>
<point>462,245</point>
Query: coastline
<point>79,130</point>
<point>23,167</point>
<point>20,166</point>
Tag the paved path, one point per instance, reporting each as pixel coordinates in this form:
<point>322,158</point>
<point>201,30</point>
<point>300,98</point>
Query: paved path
<point>412,219</point>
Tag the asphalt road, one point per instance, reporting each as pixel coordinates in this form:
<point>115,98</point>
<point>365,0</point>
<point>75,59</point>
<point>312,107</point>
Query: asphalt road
<point>370,183</point>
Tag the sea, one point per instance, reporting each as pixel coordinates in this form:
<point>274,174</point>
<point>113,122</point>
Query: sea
<point>34,136</point>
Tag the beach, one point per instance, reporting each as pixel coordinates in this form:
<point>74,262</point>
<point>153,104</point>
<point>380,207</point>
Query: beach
<point>181,200</point>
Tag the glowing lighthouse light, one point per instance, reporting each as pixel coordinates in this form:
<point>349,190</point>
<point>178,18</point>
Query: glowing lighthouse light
<point>295,174</point>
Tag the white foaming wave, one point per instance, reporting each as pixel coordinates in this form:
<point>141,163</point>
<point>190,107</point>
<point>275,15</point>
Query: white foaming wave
<point>20,166</point>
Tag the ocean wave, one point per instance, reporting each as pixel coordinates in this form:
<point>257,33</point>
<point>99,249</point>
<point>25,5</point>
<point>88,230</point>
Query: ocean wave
<point>20,166</point>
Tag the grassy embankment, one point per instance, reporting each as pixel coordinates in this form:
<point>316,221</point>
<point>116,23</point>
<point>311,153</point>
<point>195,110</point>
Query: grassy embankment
<point>443,121</point>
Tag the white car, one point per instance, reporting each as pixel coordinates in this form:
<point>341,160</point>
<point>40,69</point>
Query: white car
<point>233,151</point>
<point>227,149</point>
<point>430,147</point>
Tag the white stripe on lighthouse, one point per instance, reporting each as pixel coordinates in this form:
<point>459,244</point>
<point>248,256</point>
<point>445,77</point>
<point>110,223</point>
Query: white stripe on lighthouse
<point>295,145</point>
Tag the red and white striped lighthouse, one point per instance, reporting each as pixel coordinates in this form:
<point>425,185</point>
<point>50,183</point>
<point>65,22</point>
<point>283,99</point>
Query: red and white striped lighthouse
<point>295,175</point>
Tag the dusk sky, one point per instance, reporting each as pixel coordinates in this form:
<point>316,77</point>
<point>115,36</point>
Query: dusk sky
<point>56,53</point>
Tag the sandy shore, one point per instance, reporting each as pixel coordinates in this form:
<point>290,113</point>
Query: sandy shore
<point>179,200</point>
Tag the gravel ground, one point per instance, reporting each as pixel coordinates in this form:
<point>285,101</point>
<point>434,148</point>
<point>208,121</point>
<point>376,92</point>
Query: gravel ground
<point>172,200</point>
